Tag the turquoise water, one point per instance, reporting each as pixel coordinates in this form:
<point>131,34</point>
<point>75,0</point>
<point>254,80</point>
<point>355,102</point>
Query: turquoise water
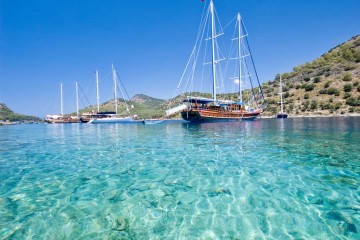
<point>267,179</point>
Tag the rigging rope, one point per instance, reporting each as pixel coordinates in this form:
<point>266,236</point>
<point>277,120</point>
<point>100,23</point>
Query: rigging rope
<point>252,60</point>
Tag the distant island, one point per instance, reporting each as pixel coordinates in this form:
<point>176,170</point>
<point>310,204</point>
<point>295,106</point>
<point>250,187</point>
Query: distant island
<point>6,114</point>
<point>327,86</point>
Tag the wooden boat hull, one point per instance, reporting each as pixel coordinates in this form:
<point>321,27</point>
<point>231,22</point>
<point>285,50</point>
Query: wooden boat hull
<point>65,120</point>
<point>195,115</point>
<point>282,115</point>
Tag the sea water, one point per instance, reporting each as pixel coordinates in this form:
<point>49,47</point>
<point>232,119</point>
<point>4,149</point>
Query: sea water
<point>266,179</point>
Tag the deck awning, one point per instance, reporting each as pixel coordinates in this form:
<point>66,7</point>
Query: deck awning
<point>200,100</point>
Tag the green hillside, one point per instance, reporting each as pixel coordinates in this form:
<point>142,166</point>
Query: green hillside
<point>7,114</point>
<point>328,85</point>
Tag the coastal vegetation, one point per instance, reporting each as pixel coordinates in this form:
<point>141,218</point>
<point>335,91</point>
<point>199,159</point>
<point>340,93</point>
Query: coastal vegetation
<point>329,85</point>
<point>6,114</point>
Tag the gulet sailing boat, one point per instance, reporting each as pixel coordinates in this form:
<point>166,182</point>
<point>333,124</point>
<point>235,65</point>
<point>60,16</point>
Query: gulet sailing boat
<point>281,114</point>
<point>199,109</point>
<point>86,117</point>
<point>114,117</point>
<point>56,118</point>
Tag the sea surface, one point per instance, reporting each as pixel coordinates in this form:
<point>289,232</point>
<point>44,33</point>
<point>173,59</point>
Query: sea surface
<point>266,179</point>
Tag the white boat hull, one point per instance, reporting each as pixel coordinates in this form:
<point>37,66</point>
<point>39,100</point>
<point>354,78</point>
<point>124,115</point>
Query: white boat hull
<point>114,120</point>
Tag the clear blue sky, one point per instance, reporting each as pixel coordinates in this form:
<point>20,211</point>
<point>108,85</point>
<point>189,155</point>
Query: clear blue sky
<point>43,43</point>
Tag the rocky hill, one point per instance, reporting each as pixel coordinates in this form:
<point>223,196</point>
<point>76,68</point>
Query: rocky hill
<point>7,114</point>
<point>329,85</point>
<point>140,104</point>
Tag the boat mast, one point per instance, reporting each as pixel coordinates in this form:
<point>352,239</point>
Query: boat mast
<point>77,99</point>
<point>115,97</point>
<point>240,57</point>
<point>61,100</point>
<point>97,91</point>
<point>281,96</point>
<point>213,48</point>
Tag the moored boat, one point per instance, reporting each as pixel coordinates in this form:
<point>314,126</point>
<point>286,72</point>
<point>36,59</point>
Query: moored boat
<point>53,118</point>
<point>199,109</point>
<point>114,117</point>
<point>61,118</point>
<point>281,114</point>
<point>86,117</point>
<point>204,110</point>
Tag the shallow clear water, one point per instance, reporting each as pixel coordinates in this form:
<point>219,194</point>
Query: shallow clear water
<point>267,179</point>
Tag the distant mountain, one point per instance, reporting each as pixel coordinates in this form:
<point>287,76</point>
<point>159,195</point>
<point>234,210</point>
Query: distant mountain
<point>7,114</point>
<point>140,104</point>
<point>142,98</point>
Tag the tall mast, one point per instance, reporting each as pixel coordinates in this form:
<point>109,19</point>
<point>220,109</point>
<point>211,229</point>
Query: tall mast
<point>240,57</point>
<point>281,96</point>
<point>213,29</point>
<point>61,100</point>
<point>115,97</point>
<point>77,99</point>
<point>97,91</point>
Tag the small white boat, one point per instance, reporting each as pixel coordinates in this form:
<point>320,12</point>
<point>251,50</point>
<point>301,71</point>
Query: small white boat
<point>281,114</point>
<point>115,119</point>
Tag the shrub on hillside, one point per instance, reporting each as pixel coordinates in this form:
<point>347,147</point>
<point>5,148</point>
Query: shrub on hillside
<point>309,87</point>
<point>347,87</point>
<point>313,105</point>
<point>324,106</point>
<point>330,91</point>
<point>347,95</point>
<point>286,95</point>
<point>349,67</point>
<point>305,105</point>
<point>358,88</point>
<point>316,79</point>
<point>306,79</point>
<point>337,105</point>
<point>352,102</point>
<point>347,77</point>
<point>333,91</point>
<point>357,56</point>
<point>306,96</point>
